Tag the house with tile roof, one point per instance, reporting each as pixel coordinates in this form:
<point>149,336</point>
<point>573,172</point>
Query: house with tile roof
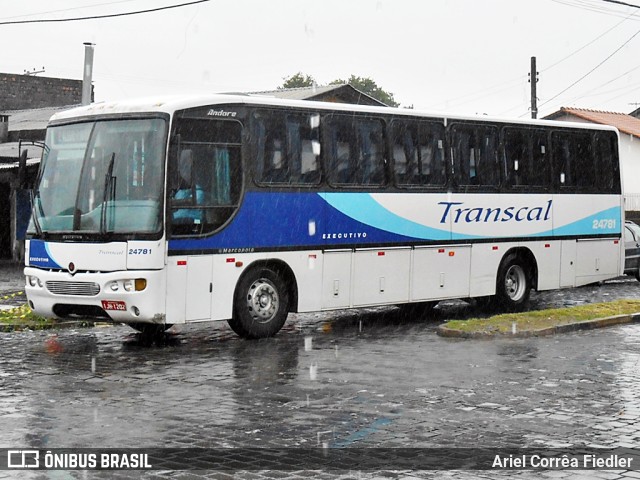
<point>338,93</point>
<point>629,128</point>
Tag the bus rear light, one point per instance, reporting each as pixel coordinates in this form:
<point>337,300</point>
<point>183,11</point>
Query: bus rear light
<point>546,245</point>
<point>381,254</point>
<point>181,263</point>
<point>441,250</point>
<point>495,247</point>
<point>231,260</point>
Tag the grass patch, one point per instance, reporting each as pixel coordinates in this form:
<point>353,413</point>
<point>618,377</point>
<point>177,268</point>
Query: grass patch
<point>541,319</point>
<point>23,317</point>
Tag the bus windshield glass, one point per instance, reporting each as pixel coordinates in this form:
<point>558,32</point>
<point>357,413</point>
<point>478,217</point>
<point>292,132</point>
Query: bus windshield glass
<point>103,177</point>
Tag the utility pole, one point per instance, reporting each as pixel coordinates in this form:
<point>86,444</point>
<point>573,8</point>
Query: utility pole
<point>88,73</point>
<point>533,80</point>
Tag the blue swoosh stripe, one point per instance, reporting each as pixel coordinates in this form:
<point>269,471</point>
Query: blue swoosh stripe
<point>364,209</point>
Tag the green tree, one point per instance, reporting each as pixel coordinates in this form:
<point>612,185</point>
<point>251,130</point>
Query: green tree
<point>297,80</point>
<point>371,88</point>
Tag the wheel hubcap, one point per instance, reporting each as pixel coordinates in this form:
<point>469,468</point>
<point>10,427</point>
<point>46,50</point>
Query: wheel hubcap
<point>263,300</point>
<point>515,282</point>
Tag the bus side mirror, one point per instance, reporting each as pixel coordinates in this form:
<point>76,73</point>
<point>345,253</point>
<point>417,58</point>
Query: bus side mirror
<point>22,169</point>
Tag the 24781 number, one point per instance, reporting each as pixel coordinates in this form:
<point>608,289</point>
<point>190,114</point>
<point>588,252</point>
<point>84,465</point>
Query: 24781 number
<point>604,224</point>
<point>139,251</point>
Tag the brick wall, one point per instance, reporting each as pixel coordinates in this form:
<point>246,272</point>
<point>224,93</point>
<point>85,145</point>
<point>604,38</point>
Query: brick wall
<point>19,92</point>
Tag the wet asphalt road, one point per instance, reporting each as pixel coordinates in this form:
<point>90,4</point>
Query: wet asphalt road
<point>367,378</point>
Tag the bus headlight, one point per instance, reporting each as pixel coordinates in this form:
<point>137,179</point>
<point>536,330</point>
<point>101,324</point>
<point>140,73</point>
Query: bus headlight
<point>34,281</point>
<point>136,285</point>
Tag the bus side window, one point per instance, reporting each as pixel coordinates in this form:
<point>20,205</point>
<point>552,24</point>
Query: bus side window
<point>525,157</point>
<point>517,156</point>
<point>206,176</point>
<point>475,157</point>
<point>418,153</point>
<point>371,153</point>
<point>608,173</point>
<point>538,170</point>
<point>573,157</point>
<point>355,151</point>
<point>284,149</point>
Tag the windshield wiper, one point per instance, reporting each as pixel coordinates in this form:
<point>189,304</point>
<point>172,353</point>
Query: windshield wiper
<point>109,193</point>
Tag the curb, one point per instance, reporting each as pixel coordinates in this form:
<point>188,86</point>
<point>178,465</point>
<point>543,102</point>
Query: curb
<point>31,327</point>
<point>443,331</point>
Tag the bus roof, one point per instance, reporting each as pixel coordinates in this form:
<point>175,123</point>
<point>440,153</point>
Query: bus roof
<point>171,104</point>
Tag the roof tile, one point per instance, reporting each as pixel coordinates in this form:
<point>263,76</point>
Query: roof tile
<point>622,121</point>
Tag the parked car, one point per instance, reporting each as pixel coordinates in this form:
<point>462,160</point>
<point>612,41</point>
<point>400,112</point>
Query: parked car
<point>632,249</point>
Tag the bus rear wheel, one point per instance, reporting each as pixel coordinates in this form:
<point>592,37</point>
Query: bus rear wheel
<point>261,304</point>
<point>513,286</point>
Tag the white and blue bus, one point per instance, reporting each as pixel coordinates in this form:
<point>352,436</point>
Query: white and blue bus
<point>244,208</point>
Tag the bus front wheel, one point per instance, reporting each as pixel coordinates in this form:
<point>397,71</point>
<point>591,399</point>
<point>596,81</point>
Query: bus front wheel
<point>261,304</point>
<point>513,286</point>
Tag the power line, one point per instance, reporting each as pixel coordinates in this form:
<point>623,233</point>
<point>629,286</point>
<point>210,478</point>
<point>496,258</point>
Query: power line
<point>618,2</point>
<point>67,9</point>
<point>96,17</point>
<point>590,43</point>
<point>589,93</point>
<point>592,70</point>
<point>492,90</point>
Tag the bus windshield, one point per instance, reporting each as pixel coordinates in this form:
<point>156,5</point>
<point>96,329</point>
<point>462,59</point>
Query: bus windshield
<point>102,177</point>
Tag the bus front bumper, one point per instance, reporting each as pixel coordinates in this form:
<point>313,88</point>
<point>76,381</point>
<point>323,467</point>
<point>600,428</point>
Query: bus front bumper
<point>121,296</point>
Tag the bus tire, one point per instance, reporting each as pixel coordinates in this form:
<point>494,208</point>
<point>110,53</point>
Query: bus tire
<point>261,304</point>
<point>513,285</point>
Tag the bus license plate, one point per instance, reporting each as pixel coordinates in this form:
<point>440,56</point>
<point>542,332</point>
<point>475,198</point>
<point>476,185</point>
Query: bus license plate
<point>114,305</point>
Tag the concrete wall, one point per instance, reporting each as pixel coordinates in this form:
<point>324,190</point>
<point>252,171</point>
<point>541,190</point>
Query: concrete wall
<point>20,92</point>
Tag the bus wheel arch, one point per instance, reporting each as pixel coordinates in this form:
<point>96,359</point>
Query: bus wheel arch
<point>517,275</point>
<point>263,297</point>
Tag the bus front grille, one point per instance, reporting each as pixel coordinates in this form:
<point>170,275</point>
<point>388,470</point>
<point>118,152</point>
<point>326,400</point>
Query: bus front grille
<point>85,289</point>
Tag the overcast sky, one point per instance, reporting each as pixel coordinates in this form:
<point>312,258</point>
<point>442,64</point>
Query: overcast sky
<point>461,56</point>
